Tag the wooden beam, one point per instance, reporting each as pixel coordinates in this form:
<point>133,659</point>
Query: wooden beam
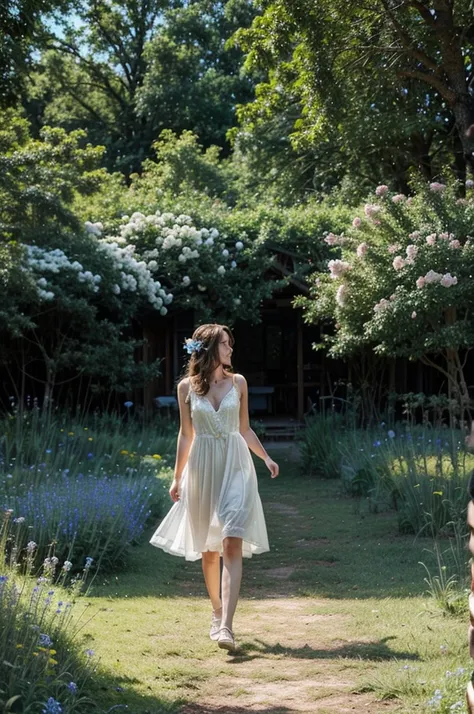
<point>299,366</point>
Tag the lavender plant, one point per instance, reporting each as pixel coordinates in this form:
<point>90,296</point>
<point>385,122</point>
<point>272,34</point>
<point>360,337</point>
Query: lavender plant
<point>78,487</point>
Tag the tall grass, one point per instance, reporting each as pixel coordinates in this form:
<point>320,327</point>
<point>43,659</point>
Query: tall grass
<point>85,486</point>
<point>319,446</point>
<point>42,665</point>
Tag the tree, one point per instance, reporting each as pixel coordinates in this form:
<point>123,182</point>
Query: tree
<point>20,24</point>
<point>384,78</point>
<point>403,285</point>
<point>124,71</point>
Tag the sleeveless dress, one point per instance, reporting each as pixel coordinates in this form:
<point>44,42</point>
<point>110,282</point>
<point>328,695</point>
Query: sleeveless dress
<point>218,491</point>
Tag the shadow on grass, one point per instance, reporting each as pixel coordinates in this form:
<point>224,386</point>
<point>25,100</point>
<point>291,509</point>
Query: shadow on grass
<point>370,651</point>
<point>229,709</point>
<point>117,696</point>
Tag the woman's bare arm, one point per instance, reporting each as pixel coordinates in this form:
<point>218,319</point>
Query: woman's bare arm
<point>249,435</point>
<point>185,437</point>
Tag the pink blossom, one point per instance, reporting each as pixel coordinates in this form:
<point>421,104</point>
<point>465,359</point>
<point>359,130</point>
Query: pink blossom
<point>356,222</point>
<point>409,201</point>
<point>331,239</point>
<point>399,197</point>
<point>338,268</point>
<point>420,283</point>
<point>415,235</point>
<point>448,280</point>
<point>382,305</point>
<point>371,209</point>
<point>362,250</point>
<point>437,187</point>
<point>381,190</point>
<point>398,262</point>
<point>454,244</point>
<point>461,202</point>
<point>413,315</point>
<point>412,251</point>
<point>393,248</point>
<point>341,294</point>
<point>432,277</point>
<point>431,239</point>
<point>445,236</point>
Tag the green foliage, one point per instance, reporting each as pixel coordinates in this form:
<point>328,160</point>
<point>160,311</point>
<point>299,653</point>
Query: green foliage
<point>357,92</point>
<point>125,71</point>
<point>319,450</point>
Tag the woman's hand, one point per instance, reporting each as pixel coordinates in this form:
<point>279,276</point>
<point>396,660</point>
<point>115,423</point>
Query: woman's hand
<point>272,467</point>
<point>174,490</point>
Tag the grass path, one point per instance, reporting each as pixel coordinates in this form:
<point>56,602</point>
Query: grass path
<point>330,620</point>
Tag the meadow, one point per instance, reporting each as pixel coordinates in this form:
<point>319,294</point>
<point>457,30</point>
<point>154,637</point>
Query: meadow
<point>357,607</point>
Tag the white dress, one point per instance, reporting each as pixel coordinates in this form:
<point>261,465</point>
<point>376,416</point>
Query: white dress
<point>219,493</point>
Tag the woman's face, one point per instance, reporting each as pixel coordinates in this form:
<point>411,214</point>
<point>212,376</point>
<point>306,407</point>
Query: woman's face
<point>225,349</point>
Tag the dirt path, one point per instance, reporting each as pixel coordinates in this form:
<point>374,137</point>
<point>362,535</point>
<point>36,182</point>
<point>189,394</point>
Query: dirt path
<point>289,661</point>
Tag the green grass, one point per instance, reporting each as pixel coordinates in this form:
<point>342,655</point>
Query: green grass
<point>361,617</point>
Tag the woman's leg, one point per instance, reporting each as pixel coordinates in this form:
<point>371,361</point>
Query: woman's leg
<point>211,568</point>
<point>231,579</point>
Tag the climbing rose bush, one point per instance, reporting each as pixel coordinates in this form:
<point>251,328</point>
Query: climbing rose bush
<point>401,282</point>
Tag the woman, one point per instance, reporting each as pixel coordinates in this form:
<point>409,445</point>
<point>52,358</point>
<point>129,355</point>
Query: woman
<point>217,509</point>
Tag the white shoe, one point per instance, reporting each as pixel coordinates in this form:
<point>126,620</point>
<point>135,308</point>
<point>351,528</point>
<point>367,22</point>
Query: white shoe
<point>226,639</point>
<point>215,627</point>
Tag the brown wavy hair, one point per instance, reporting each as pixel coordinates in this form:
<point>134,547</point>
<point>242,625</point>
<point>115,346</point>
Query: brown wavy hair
<point>202,364</point>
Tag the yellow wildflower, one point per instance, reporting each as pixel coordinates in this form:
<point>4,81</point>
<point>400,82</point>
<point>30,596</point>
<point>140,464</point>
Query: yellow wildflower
<point>124,452</point>
<point>90,438</point>
<point>70,433</point>
<point>156,456</point>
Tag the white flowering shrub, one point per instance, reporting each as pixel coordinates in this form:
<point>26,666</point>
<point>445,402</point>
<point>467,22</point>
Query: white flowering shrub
<point>219,276</point>
<point>402,284</point>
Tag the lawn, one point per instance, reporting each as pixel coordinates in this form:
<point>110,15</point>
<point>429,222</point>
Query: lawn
<point>335,618</point>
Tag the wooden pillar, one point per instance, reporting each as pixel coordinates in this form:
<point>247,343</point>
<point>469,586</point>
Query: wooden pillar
<point>299,366</point>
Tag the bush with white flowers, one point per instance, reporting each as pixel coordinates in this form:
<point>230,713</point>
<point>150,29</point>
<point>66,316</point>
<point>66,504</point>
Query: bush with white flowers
<point>402,282</point>
<point>213,273</point>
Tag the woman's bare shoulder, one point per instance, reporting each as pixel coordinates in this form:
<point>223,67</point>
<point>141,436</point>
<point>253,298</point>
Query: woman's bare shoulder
<point>240,380</point>
<point>183,386</point>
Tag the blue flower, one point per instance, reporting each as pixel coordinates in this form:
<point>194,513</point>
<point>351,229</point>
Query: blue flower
<point>90,653</point>
<point>128,404</point>
<point>45,640</point>
<point>377,443</point>
<point>52,707</point>
<point>192,345</point>
<point>72,686</point>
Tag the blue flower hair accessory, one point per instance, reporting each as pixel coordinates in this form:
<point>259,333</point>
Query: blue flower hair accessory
<point>191,345</point>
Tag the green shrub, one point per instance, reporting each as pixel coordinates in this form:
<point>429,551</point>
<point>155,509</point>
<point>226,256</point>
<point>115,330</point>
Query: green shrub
<point>319,447</point>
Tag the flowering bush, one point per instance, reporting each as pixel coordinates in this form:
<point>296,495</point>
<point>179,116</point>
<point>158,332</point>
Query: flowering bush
<point>216,274</point>
<point>403,284</point>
